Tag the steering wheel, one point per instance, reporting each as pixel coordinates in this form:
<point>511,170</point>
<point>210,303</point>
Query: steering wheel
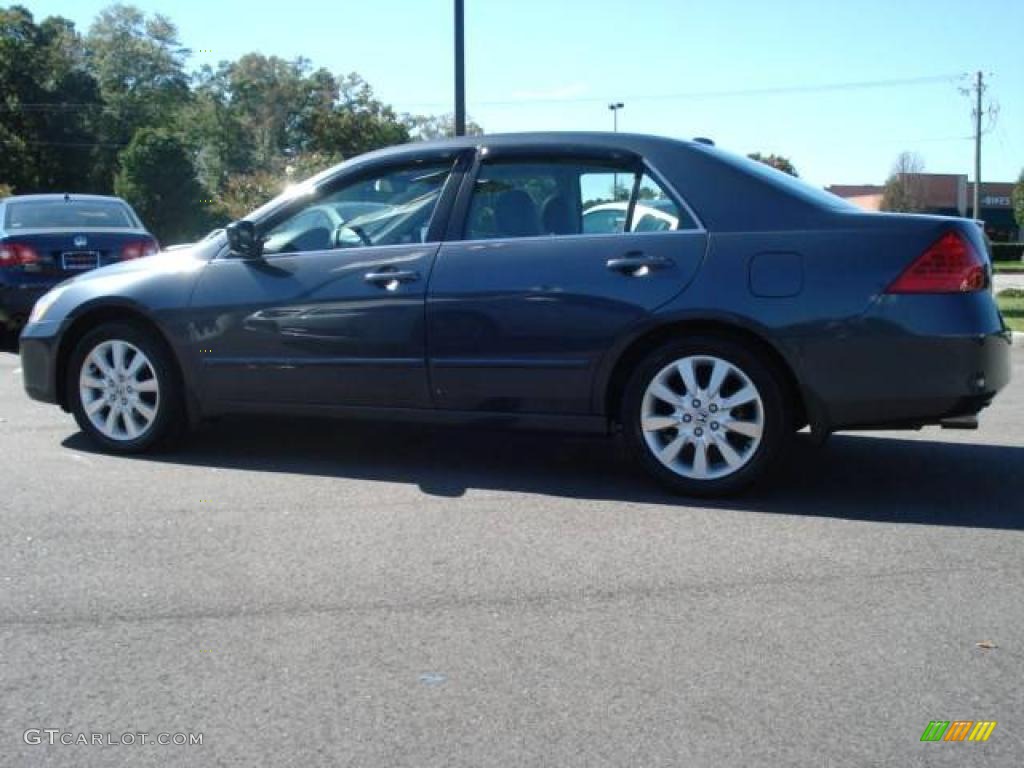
<point>356,230</point>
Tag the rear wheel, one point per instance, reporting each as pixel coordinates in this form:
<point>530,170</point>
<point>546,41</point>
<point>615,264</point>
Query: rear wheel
<point>706,416</point>
<point>122,388</point>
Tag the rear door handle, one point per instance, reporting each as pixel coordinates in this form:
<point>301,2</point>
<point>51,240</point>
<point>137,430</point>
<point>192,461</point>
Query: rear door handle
<point>390,278</point>
<point>635,262</point>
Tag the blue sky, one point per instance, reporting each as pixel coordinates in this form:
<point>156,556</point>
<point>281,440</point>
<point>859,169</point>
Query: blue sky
<point>555,64</point>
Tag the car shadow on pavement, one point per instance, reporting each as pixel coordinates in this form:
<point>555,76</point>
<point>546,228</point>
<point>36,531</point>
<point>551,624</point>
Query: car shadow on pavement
<point>858,477</point>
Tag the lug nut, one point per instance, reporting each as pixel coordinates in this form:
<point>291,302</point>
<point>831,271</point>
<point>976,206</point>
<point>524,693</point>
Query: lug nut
<point>714,425</point>
<point>698,432</point>
<point>696,403</point>
<point>687,418</point>
<point>713,408</point>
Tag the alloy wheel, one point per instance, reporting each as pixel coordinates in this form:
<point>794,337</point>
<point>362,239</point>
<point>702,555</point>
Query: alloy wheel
<point>702,417</point>
<point>119,389</point>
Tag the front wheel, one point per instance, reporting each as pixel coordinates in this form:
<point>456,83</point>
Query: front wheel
<point>706,416</point>
<point>122,388</point>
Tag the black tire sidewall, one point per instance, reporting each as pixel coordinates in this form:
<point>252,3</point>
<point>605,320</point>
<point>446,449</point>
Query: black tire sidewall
<point>167,414</point>
<point>778,414</point>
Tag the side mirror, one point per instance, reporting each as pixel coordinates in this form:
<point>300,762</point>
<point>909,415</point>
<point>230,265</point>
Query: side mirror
<point>243,240</point>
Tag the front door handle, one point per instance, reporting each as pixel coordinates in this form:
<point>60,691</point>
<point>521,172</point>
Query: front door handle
<point>637,263</point>
<point>390,278</point>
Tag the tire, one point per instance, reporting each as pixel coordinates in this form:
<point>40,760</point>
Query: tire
<point>707,443</point>
<point>144,395</point>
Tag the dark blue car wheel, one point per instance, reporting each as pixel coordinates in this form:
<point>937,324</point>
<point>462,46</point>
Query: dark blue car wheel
<point>122,388</point>
<point>706,416</point>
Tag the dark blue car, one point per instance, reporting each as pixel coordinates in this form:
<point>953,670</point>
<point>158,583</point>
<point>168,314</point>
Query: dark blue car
<point>455,281</point>
<point>44,239</point>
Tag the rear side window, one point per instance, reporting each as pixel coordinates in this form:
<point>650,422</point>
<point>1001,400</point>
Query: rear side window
<point>519,198</point>
<point>73,214</point>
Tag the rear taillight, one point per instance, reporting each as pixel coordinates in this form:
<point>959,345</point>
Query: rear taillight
<point>138,248</point>
<point>950,265</point>
<point>17,255</point>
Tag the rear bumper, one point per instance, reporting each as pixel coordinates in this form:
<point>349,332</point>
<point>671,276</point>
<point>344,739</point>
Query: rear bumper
<point>901,367</point>
<point>39,362</point>
<point>16,302</point>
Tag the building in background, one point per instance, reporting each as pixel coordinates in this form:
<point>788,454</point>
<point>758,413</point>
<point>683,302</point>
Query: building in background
<point>947,194</point>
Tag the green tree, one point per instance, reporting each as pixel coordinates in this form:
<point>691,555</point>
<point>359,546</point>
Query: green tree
<point>244,192</point>
<point>775,161</point>
<point>158,178</point>
<point>139,64</point>
<point>357,123</point>
<point>427,127</point>
<point>49,104</point>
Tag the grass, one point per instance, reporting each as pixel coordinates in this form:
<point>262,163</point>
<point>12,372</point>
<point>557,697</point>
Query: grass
<point>1011,304</point>
<point>1008,267</point>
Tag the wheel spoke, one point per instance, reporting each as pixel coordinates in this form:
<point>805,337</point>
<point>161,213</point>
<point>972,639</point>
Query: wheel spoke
<point>149,385</point>
<point>745,395</point>
<point>111,422</point>
<point>145,411</point>
<point>658,423</point>
<point>92,382</point>
<point>119,349</point>
<point>97,359</point>
<point>130,427</point>
<point>689,375</point>
<point>700,458</point>
<point>718,373</point>
<point>662,392</point>
<point>136,365</point>
<point>670,452</point>
<point>94,405</point>
<point>751,429</point>
<point>732,458</point>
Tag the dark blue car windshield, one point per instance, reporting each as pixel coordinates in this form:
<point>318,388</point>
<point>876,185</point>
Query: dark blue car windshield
<point>73,214</point>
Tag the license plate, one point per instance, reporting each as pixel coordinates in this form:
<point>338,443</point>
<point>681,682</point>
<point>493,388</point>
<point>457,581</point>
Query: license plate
<point>80,259</point>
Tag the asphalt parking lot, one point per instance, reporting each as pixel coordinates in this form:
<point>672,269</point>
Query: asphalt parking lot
<point>315,593</point>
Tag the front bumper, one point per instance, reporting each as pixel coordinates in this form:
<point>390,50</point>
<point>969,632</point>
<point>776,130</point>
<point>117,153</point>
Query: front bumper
<point>39,344</point>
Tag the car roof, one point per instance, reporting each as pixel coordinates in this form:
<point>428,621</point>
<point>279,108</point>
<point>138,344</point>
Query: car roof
<point>60,196</point>
<point>635,142</point>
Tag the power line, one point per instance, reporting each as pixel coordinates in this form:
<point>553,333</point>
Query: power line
<point>681,95</point>
<point>696,95</point>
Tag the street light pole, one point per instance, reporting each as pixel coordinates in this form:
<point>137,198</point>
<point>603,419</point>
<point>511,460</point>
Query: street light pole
<point>615,106</point>
<point>460,70</point>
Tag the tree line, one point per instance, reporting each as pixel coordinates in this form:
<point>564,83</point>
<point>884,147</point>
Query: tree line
<point>116,111</point>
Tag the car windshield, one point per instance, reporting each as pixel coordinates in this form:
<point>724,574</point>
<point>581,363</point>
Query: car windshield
<point>69,214</point>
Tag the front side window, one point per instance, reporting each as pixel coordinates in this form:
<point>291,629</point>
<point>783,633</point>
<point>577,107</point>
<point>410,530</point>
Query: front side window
<point>519,198</point>
<point>391,207</point>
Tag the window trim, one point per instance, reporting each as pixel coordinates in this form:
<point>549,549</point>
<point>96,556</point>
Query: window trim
<point>459,160</point>
<point>458,220</point>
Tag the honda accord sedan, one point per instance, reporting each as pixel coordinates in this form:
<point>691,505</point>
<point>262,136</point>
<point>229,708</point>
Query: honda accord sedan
<point>462,286</point>
<point>46,238</point>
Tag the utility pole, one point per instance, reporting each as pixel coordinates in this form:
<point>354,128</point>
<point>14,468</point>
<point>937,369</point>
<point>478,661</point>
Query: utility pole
<point>460,70</point>
<point>979,89</point>
<point>615,106</point>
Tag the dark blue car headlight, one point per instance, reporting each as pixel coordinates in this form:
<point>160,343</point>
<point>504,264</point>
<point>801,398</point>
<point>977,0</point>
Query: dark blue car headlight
<point>45,302</point>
